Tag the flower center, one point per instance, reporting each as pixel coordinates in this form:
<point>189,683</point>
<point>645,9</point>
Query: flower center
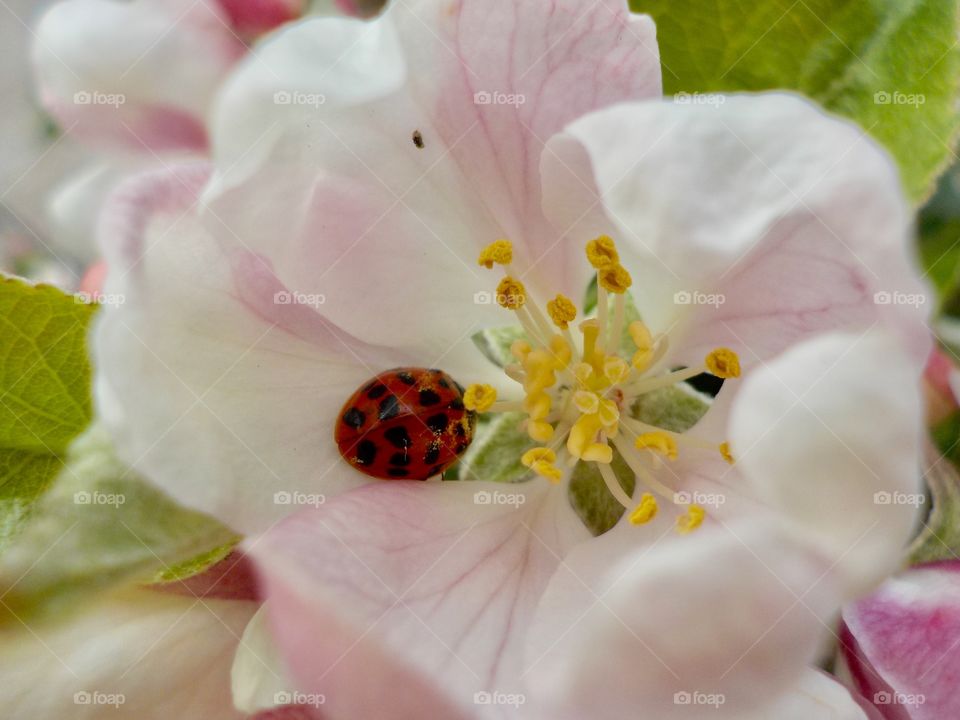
<point>577,395</point>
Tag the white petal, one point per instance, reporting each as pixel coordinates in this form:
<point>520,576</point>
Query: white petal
<point>212,388</point>
<point>750,222</point>
<point>828,435</point>
<point>258,678</point>
<point>727,617</point>
<point>139,74</point>
<point>141,656</point>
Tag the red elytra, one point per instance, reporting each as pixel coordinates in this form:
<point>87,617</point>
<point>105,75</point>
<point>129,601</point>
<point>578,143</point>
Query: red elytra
<point>405,424</point>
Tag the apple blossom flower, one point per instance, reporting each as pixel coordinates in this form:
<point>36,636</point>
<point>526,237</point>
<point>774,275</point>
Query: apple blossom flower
<point>351,225</point>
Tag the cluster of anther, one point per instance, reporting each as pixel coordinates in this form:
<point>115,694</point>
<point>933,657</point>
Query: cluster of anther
<point>578,395</point>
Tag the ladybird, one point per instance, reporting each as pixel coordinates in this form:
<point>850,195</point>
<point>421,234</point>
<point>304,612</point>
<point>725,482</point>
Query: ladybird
<point>406,423</point>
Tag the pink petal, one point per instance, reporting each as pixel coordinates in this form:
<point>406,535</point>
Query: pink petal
<point>795,221</point>
<point>139,75</point>
<point>212,388</point>
<point>902,642</point>
<point>357,198</point>
<point>421,595</point>
<point>253,17</point>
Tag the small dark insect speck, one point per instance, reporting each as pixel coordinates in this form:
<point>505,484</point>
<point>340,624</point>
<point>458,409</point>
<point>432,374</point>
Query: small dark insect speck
<point>418,139</point>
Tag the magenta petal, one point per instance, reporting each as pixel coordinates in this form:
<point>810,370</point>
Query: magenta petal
<point>901,644</point>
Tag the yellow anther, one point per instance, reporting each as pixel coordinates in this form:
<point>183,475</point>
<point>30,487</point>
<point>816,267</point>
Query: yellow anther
<point>479,397</point>
<point>640,334</point>
<point>723,363</point>
<point>537,405</point>
<point>642,359</point>
<point>586,401</point>
<point>582,372</point>
<point>538,454</point>
<point>520,349</point>
<point>616,369</point>
<point>725,452</point>
<point>540,367</point>
<point>615,279</point>
<point>658,442</point>
<point>511,294</point>
<point>602,252</point>
<point>645,511</point>
<point>562,354</point>
<point>598,452</point>
<point>540,431</point>
<point>541,461</point>
<point>499,252</point>
<point>562,311</point>
<point>583,434</point>
<point>691,520</point>
<point>608,413</point>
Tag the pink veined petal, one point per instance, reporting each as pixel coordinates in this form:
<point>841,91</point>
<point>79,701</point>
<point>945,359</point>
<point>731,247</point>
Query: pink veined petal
<point>421,591</point>
<point>901,644</point>
<point>710,615</point>
<point>215,384</point>
<point>750,222</point>
<point>325,120</point>
<point>139,656</point>
<point>139,75</point>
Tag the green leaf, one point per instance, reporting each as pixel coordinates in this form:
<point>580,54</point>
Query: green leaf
<point>45,398</point>
<point>100,527</point>
<point>495,453</point>
<point>495,343</point>
<point>591,500</point>
<point>677,408</point>
<point>891,65</point>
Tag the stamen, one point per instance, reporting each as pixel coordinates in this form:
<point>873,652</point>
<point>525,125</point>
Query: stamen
<point>479,398</point>
<point>615,279</point>
<point>616,332</point>
<point>645,511</point>
<point>658,442</point>
<point>511,293</point>
<point>520,349</point>
<point>543,462</point>
<point>602,252</point>
<point>614,486</point>
<point>562,311</point>
<point>691,520</point>
<point>632,458</point>
<point>640,334</point>
<point>725,452</point>
<point>723,363</point>
<point>499,252</point>
<point>586,401</point>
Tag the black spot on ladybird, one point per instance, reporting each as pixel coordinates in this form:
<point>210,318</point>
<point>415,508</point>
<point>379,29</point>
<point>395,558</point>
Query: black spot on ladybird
<point>406,378</point>
<point>389,408</point>
<point>437,423</point>
<point>442,382</point>
<point>376,391</point>
<point>354,418</point>
<point>432,454</point>
<point>428,398</point>
<point>455,404</point>
<point>366,453</point>
<point>398,437</point>
<point>400,458</point>
<point>418,139</point>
